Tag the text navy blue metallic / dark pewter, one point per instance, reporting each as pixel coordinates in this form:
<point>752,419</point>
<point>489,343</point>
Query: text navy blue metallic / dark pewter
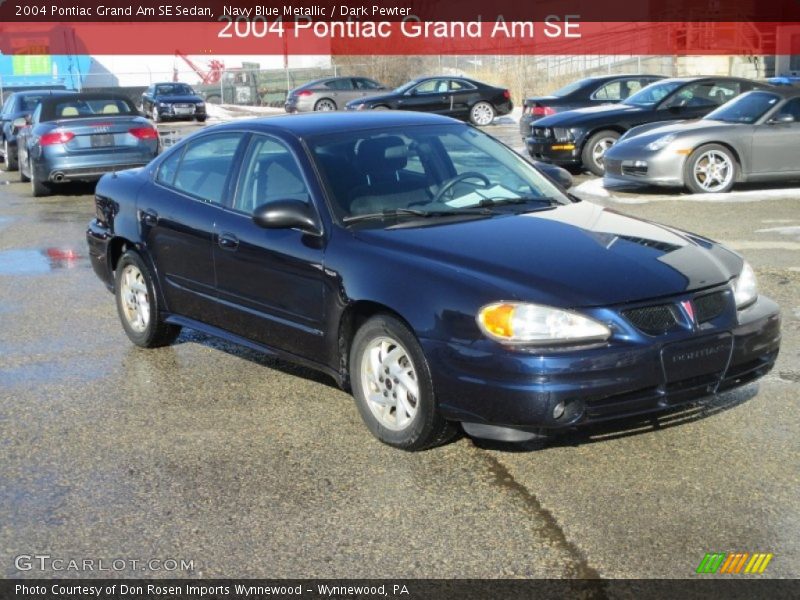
<point>430,269</point>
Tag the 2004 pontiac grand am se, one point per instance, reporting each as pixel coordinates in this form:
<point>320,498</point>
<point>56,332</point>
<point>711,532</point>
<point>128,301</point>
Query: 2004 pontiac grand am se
<point>431,270</point>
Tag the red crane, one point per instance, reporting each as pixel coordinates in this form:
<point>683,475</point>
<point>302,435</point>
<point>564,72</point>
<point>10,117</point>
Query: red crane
<point>212,75</point>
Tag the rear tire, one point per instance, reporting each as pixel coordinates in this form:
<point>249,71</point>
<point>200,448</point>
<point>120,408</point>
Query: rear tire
<point>392,386</point>
<point>138,306</point>
<point>482,114</point>
<point>38,188</point>
<point>595,149</point>
<point>325,104</point>
<point>22,177</point>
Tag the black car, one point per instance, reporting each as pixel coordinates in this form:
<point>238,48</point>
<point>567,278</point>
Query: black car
<point>173,101</point>
<point>17,106</point>
<point>431,270</point>
<point>581,137</point>
<point>457,97</point>
<point>591,91</point>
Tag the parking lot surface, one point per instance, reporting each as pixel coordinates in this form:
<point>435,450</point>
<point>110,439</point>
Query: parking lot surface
<point>211,453</point>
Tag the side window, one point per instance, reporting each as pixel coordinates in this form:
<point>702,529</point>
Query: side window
<point>37,114</point>
<point>610,92</point>
<point>631,86</point>
<point>457,85</point>
<point>366,84</point>
<point>791,108</point>
<point>339,84</point>
<point>205,167</point>
<point>270,173</point>
<point>724,91</point>
<point>432,86</point>
<point>168,168</point>
<point>7,105</point>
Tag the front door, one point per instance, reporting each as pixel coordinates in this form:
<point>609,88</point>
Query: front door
<point>432,95</point>
<point>776,143</point>
<point>270,282</point>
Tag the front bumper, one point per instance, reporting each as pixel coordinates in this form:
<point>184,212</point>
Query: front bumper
<point>565,153</point>
<point>487,384</point>
<point>636,165</point>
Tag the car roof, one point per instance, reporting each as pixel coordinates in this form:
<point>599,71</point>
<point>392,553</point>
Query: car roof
<point>324,123</point>
<point>783,92</point>
<point>599,78</point>
<point>171,83</point>
<point>696,78</point>
<point>43,93</point>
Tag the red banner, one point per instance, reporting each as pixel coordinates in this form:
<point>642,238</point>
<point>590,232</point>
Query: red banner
<point>411,37</point>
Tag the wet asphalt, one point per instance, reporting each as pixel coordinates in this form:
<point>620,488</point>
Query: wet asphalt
<point>207,452</point>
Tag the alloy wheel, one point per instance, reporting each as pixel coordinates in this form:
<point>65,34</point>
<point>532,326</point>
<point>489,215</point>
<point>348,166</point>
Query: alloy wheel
<point>390,383</point>
<point>713,171</point>
<point>325,105</point>
<point>135,298</point>
<point>482,114</point>
<point>600,148</point>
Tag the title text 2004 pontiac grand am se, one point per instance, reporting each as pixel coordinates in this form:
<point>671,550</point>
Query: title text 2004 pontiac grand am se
<point>431,270</point>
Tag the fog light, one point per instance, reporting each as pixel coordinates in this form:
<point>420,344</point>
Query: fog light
<point>558,410</point>
<point>640,164</point>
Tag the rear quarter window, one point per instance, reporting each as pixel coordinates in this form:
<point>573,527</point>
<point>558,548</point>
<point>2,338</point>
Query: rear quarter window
<point>206,165</point>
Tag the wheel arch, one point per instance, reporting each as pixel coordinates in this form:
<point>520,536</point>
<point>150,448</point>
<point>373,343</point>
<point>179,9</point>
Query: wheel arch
<point>118,246</point>
<point>615,128</point>
<point>737,156</point>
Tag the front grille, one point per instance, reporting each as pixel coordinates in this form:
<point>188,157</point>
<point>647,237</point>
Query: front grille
<point>653,320</point>
<point>635,170</point>
<point>183,105</point>
<point>709,307</point>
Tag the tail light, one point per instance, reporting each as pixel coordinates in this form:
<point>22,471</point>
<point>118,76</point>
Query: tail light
<point>506,94</point>
<point>542,111</point>
<point>56,137</point>
<point>304,93</point>
<point>144,133</point>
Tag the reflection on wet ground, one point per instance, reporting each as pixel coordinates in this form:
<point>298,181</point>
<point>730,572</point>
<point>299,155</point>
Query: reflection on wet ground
<point>36,262</point>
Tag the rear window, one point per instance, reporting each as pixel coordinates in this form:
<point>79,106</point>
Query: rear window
<point>76,108</point>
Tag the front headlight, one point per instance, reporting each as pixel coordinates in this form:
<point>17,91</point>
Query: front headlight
<point>524,323</point>
<point>661,142</point>
<point>201,105</point>
<point>163,105</point>
<point>745,290</point>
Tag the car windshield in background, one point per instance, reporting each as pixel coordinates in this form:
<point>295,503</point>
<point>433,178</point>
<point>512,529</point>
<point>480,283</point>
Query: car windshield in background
<point>76,108</point>
<point>29,103</point>
<point>653,93</point>
<point>569,88</point>
<point>747,108</point>
<point>428,171</point>
<point>178,89</point>
<point>406,86</point>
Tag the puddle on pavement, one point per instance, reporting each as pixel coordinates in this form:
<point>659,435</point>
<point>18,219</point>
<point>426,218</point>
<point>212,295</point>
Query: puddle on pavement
<point>35,262</point>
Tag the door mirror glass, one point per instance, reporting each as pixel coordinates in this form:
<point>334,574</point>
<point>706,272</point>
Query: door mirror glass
<point>286,214</point>
<point>783,118</point>
<point>20,122</point>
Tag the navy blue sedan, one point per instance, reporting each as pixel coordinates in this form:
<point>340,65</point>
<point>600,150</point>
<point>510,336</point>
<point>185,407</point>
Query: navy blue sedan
<point>429,269</point>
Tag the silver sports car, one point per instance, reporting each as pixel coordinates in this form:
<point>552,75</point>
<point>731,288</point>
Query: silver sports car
<point>754,137</point>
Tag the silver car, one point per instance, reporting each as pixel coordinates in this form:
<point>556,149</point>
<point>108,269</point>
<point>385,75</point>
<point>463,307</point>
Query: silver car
<point>754,137</point>
<point>331,93</point>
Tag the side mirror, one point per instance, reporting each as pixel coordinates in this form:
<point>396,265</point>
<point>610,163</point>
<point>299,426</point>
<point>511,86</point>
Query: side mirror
<point>556,174</point>
<point>21,122</point>
<point>286,214</point>
<point>783,118</point>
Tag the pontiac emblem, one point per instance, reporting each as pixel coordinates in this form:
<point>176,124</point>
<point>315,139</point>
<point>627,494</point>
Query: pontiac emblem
<point>688,309</point>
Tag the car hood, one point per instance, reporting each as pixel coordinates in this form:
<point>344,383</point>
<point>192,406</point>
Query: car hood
<point>644,134</point>
<point>571,118</point>
<point>181,98</point>
<point>578,255</point>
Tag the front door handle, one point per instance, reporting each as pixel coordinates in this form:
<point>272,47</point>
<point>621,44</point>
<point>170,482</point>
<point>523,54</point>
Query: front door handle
<point>228,241</point>
<point>148,217</point>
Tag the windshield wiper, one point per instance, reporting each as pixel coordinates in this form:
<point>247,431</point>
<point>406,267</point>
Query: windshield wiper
<point>393,213</point>
<point>503,201</point>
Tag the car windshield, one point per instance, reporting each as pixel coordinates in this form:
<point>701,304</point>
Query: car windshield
<point>747,108</point>
<point>569,88</point>
<point>425,171</point>
<point>653,93</point>
<point>174,89</point>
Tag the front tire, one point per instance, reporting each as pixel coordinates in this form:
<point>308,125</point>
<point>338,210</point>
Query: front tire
<point>596,148</point>
<point>710,169</point>
<point>393,388</point>
<point>138,306</point>
<point>482,113</point>
<point>10,162</point>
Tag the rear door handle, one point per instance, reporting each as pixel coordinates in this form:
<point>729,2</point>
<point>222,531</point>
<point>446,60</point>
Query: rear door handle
<point>228,241</point>
<point>148,217</point>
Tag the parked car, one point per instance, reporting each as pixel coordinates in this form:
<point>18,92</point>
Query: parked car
<point>755,137</point>
<point>584,93</point>
<point>331,93</point>
<point>81,137</point>
<point>16,112</point>
<point>173,101</point>
<point>580,138</point>
<point>430,269</point>
<point>457,97</point>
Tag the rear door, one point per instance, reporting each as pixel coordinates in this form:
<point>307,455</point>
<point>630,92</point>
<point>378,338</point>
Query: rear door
<point>462,95</point>
<point>177,217</point>
<point>270,282</point>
